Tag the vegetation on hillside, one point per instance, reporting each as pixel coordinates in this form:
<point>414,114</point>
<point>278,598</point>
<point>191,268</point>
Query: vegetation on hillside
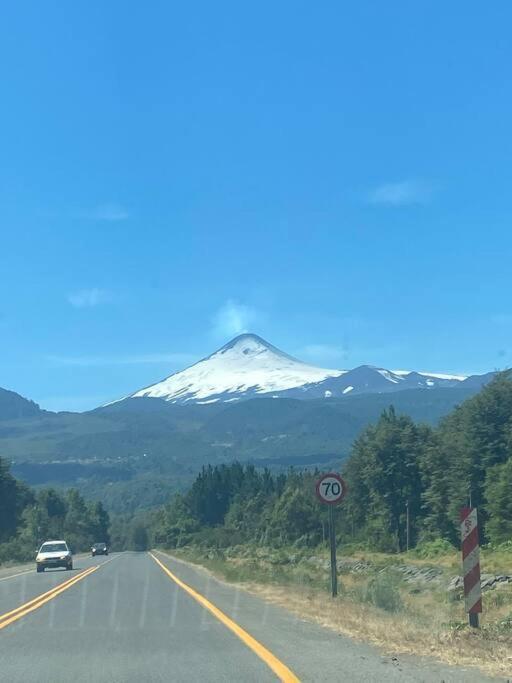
<point>132,454</point>
<point>268,531</point>
<point>27,518</point>
<point>395,465</point>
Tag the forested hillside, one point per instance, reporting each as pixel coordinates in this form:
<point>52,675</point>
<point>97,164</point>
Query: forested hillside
<point>14,406</point>
<point>27,518</point>
<point>394,464</point>
<point>132,454</point>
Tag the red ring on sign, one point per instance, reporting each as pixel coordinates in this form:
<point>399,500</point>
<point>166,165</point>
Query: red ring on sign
<point>343,486</point>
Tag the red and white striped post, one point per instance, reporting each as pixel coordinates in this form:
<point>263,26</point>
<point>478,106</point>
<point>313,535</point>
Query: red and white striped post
<point>471,563</point>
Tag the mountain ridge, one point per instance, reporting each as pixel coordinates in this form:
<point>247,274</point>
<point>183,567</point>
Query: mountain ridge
<point>265,371</point>
<point>15,406</point>
<point>243,367</point>
<point>143,448</point>
<point>248,366</point>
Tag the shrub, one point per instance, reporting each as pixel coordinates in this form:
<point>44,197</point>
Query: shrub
<point>16,551</point>
<point>381,591</point>
<point>436,548</point>
<point>216,537</point>
<point>505,547</point>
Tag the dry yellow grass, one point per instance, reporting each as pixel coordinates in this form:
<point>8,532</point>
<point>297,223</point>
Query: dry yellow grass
<point>396,633</point>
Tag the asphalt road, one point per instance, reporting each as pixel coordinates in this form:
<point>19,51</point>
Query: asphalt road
<point>128,618</point>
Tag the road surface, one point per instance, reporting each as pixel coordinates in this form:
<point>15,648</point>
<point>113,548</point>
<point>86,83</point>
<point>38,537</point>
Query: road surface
<point>134,617</point>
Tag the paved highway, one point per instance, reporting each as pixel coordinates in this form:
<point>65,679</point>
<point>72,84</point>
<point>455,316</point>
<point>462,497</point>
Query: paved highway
<point>146,617</point>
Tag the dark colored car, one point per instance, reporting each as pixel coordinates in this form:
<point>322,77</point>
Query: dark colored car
<point>99,549</point>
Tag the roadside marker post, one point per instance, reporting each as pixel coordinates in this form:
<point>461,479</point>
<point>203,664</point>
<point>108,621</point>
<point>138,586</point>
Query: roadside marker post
<point>471,563</point>
<point>330,490</point>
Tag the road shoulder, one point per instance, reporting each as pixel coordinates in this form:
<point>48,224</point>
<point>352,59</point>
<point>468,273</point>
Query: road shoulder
<point>312,650</point>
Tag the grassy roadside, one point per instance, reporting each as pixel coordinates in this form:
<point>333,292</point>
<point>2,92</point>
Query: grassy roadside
<point>399,603</point>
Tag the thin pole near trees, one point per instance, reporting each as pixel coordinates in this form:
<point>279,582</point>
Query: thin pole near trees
<point>407,526</point>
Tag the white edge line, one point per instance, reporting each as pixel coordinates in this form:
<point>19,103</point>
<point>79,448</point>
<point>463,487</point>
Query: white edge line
<point>12,576</point>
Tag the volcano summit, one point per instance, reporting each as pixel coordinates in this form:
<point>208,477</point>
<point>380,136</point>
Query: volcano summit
<point>248,367</point>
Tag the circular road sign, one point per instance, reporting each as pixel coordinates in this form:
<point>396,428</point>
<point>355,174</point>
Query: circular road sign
<point>331,488</point>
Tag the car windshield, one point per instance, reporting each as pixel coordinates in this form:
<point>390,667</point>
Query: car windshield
<point>99,546</point>
<point>53,548</point>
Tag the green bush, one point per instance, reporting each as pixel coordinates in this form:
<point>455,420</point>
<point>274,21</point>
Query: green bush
<point>216,537</point>
<point>16,551</point>
<point>505,547</point>
<point>381,591</point>
<point>436,548</point>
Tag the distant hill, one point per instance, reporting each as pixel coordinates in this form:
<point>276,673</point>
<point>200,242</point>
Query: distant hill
<point>13,406</point>
<point>132,453</point>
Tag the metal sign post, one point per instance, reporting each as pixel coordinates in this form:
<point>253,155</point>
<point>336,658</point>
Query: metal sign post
<point>330,490</point>
<point>332,542</point>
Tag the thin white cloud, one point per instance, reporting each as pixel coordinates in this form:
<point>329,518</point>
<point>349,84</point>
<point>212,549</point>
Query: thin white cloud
<point>233,318</point>
<point>175,359</point>
<point>109,212</point>
<point>88,298</point>
<point>401,193</point>
<point>323,353</point>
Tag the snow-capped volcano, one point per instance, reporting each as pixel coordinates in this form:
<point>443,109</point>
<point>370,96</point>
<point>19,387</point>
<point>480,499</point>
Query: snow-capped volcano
<point>248,366</point>
<point>245,366</point>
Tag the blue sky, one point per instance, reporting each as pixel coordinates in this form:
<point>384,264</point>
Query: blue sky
<point>334,176</point>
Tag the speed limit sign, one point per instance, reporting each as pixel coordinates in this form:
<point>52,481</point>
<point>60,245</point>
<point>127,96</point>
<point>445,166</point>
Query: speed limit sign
<point>331,488</point>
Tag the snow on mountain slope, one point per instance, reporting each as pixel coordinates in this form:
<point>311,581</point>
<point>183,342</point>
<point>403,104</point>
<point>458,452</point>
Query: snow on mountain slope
<point>248,366</point>
<point>434,375</point>
<point>245,366</point>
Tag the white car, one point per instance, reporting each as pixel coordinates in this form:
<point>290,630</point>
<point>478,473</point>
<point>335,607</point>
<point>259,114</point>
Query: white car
<point>54,554</point>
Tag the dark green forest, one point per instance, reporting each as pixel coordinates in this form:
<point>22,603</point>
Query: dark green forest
<point>394,464</point>
<point>136,453</point>
<point>27,518</point>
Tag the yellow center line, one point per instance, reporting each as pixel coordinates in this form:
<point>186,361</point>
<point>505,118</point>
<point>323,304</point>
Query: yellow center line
<point>35,603</point>
<point>41,596</point>
<point>281,670</point>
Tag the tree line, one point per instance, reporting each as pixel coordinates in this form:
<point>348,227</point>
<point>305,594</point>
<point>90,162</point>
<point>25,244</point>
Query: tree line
<point>406,484</point>
<point>28,517</point>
